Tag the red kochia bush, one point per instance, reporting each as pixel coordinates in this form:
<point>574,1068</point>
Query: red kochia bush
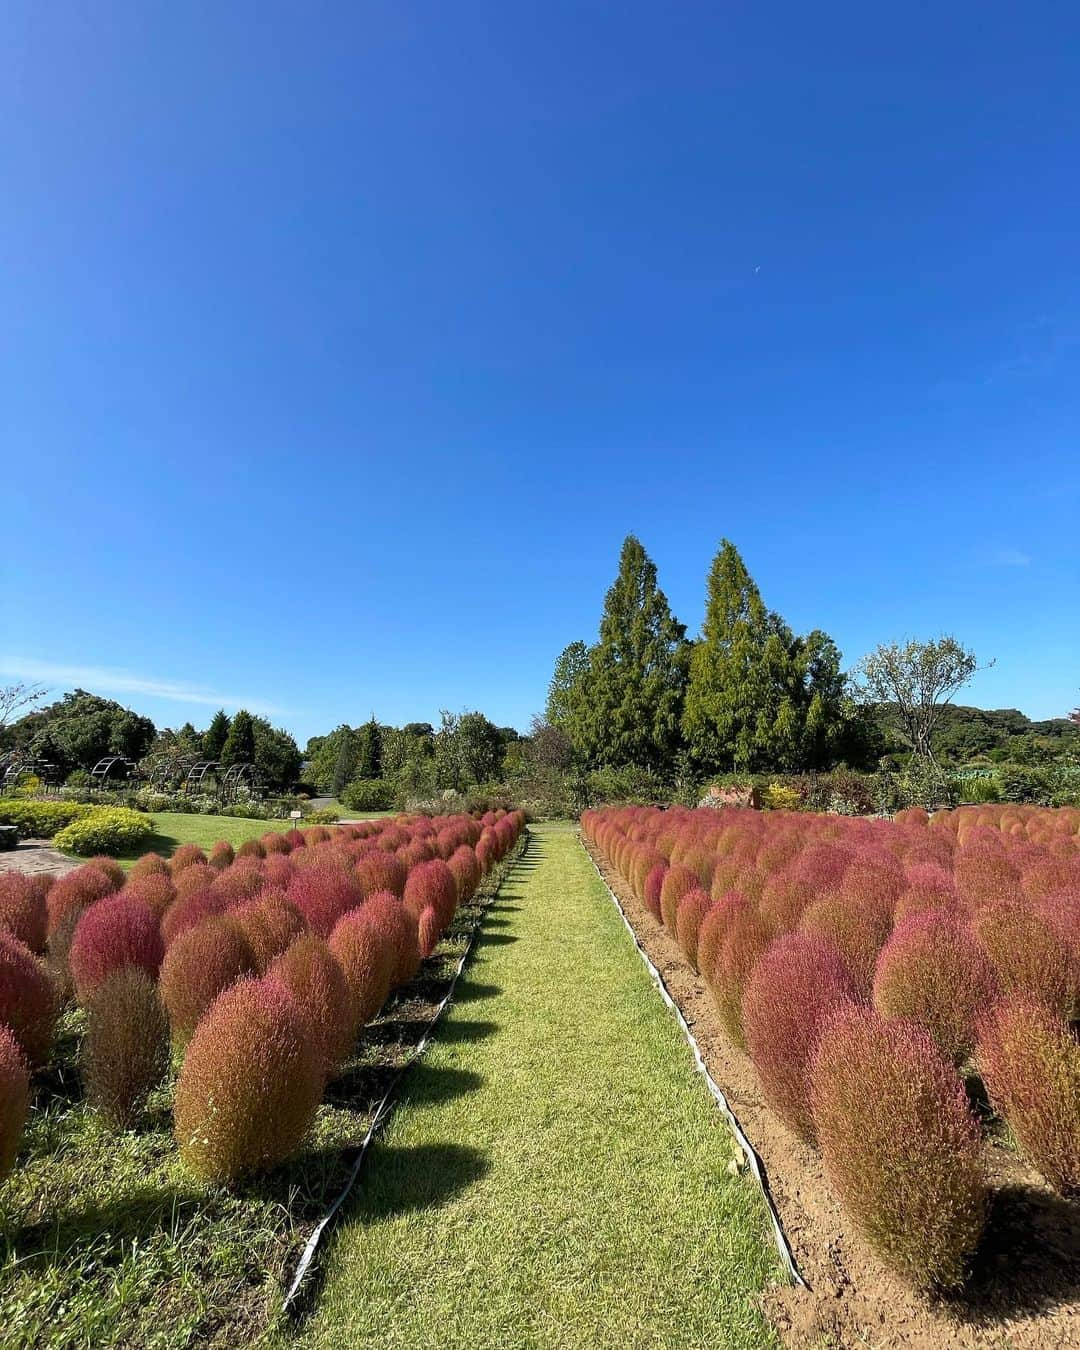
<point>746,936</point>
<point>198,965</point>
<point>185,856</point>
<point>222,855</point>
<point>929,886</point>
<point>368,961</point>
<point>678,882</point>
<point>1030,1063</point>
<point>654,885</point>
<point>110,867</point>
<point>196,876</point>
<point>795,986</point>
<point>390,917</point>
<point>191,910</point>
<point>380,871</point>
<point>429,927</point>
<point>900,1143</point>
<point>688,918</point>
<point>27,1000</point>
<point>857,925</point>
<point>466,872</point>
<point>250,1083</point>
<point>1031,953</point>
<point>22,910</point>
<point>934,972</point>
<point>150,864</point>
<point>313,978</point>
<point>432,883</point>
<point>14,1099</point>
<point>270,923</point>
<point>116,932</point>
<point>155,891</point>
<point>74,892</point>
<point>322,894</point>
<point>251,848</point>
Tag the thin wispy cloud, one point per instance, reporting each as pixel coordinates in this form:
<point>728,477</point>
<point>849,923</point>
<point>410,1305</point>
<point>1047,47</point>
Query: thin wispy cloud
<point>100,678</point>
<point>1009,557</point>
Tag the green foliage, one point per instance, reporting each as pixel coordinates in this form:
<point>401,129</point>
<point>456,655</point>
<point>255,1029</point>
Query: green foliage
<point>368,751</point>
<point>125,1051</point>
<point>624,708</point>
<point>564,689</point>
<point>344,760</point>
<point>40,820</point>
<point>239,747</point>
<point>215,735</point>
<point>468,751</point>
<point>105,829</point>
<point>81,728</point>
<point>368,794</point>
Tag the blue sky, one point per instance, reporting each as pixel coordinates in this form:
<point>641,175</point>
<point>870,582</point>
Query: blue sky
<point>341,344</point>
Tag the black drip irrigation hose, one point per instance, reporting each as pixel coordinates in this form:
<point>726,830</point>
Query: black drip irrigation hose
<point>756,1166</point>
<point>383,1112</point>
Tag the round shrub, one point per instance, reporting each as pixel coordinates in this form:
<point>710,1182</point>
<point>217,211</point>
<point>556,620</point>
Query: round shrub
<point>198,965</point>
<point>984,875</point>
<point>270,923</point>
<point>428,931</point>
<point>196,876</point>
<point>243,881</point>
<point>857,925</point>
<point>1030,1064</point>
<point>652,890</point>
<point>107,829</point>
<point>250,1083</point>
<point>186,913</point>
<point>150,864</point>
<point>746,936</point>
<point>14,1099</point>
<point>692,909</point>
<point>22,910</point>
<point>222,855</point>
<point>431,884</point>
<point>58,947</point>
<point>899,1143</point>
<point>125,1051</point>
<point>388,916</point>
<point>115,932</point>
<point>784,897</point>
<point>929,886</point>
<point>466,872</point>
<point>315,981</point>
<point>187,855</point>
<point>368,961</point>
<point>678,881</point>
<point>486,851</point>
<point>791,992</point>
<point>322,894</point>
<point>1030,954</point>
<point>934,972</point>
<point>111,868</point>
<point>74,892</point>
<point>155,891</point>
<point>27,1000</point>
<point>251,848</point>
<point>713,930</point>
<point>380,871</point>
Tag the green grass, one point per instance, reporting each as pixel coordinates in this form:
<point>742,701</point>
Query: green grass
<point>557,1174</point>
<point>174,828</point>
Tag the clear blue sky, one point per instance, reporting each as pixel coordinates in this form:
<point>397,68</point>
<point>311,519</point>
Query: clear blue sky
<point>341,344</point>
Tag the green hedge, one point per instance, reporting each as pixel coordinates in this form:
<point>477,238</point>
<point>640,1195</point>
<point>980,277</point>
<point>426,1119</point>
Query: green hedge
<point>106,829</point>
<point>368,794</point>
<point>39,820</point>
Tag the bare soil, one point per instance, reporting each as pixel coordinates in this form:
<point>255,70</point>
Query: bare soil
<point>1024,1288</point>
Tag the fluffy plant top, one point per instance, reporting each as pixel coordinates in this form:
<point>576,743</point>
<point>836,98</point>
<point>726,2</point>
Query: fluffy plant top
<point>314,927</point>
<point>955,936</point>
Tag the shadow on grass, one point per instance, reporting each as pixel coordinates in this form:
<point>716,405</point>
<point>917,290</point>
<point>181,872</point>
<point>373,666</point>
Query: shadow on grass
<point>466,1032</point>
<point>487,939</point>
<point>406,1180</point>
<point>469,991</point>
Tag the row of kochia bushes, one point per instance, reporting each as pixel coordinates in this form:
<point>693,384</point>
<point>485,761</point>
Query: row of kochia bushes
<point>259,967</point>
<point>875,971</point>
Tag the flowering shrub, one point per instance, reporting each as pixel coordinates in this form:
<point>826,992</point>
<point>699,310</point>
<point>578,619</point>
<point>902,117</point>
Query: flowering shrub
<point>251,1079</point>
<point>1030,1063</point>
<point>900,1144</point>
<point>125,1051</point>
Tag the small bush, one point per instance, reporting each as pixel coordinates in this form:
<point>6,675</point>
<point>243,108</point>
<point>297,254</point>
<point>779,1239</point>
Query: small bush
<point>222,855</point>
<point>40,820</point>
<point>678,881</point>
<point>115,932</point>
<point>652,890</point>
<point>381,871</point>
<point>389,916</point>
<point>251,848</point>
<point>900,1144</point>
<point>431,884</point>
<point>271,923</point>
<point>125,1051</point>
<point>72,893</point>
<point>856,925</point>
<point>429,929</point>
<point>27,1000</point>
<point>250,1083</point>
<point>934,972</point>
<point>1030,954</point>
<point>688,918</point>
<point>198,965</point>
<point>155,891</point>
<point>929,886</point>
<point>314,979</point>
<point>368,794</point>
<point>107,829</point>
<point>1030,1063</point>
<point>22,910</point>
<point>791,992</point>
<point>14,1099</point>
<point>150,864</point>
<point>111,868</point>
<point>466,872</point>
<point>368,961</point>
<point>745,939</point>
<point>323,894</point>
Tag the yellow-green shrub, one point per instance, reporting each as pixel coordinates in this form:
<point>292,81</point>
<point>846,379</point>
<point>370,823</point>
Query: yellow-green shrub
<point>106,829</point>
<point>40,820</point>
<point>777,797</point>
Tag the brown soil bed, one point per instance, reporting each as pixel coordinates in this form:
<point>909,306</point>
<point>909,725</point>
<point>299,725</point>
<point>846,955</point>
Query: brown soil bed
<point>1024,1288</point>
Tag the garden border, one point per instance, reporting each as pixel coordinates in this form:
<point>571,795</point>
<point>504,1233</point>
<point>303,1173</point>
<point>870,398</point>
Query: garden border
<point>757,1167</point>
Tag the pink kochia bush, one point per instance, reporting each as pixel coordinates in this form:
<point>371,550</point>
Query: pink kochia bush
<point>28,1004</point>
<point>790,994</point>
<point>900,1144</point>
<point>113,933</point>
<point>198,966</point>
<point>14,1099</point>
<point>688,919</point>
<point>22,910</point>
<point>1030,1063</point>
<point>250,1083</point>
<point>311,975</point>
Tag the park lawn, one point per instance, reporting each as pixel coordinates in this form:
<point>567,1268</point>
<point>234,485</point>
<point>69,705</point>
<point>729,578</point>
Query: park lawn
<point>173,828</point>
<point>557,1173</point>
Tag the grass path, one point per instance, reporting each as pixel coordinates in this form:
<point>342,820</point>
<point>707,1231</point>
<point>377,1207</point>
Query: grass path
<point>556,1174</point>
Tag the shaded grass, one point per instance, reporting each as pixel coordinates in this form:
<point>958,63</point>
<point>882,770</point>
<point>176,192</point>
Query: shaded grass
<point>106,1239</point>
<point>572,1190</point>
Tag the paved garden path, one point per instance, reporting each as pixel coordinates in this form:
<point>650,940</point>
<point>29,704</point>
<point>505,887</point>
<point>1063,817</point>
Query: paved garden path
<point>556,1173</point>
<point>36,855</point>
